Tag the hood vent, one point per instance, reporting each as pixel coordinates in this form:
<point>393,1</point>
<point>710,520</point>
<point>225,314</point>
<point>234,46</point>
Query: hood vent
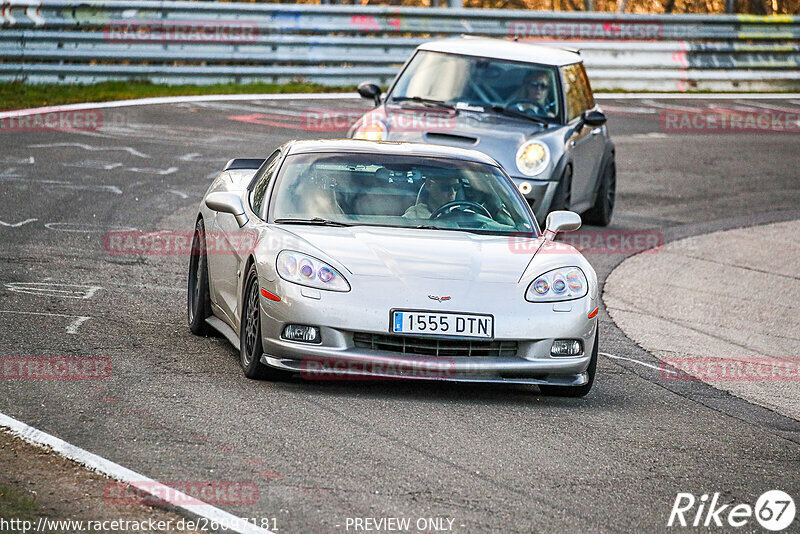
<point>443,138</point>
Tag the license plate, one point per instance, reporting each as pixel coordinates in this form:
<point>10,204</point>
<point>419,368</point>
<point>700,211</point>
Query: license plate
<point>442,324</point>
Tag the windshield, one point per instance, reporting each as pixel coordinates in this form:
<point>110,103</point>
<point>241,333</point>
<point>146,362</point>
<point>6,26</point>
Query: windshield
<point>476,81</point>
<point>398,191</point>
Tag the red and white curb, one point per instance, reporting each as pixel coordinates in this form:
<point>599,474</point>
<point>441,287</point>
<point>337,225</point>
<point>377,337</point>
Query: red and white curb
<point>122,474</point>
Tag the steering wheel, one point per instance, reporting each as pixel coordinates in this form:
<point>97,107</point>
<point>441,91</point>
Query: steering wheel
<point>521,105</point>
<point>450,207</point>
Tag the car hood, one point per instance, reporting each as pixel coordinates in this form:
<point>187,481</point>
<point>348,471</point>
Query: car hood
<point>495,135</point>
<point>411,253</point>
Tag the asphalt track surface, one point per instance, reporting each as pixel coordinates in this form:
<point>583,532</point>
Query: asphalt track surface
<point>494,459</point>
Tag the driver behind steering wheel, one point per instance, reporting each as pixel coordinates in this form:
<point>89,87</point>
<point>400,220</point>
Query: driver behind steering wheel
<point>440,190</point>
<point>535,96</point>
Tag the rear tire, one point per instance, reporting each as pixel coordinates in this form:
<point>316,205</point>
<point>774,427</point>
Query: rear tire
<point>576,391</point>
<point>198,305</point>
<point>600,214</point>
<point>250,344</point>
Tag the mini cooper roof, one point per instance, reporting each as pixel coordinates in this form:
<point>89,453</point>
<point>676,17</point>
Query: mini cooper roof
<point>388,147</point>
<point>503,49</point>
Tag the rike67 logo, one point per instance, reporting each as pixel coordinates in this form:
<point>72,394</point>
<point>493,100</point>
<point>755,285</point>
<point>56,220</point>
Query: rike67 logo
<point>774,510</point>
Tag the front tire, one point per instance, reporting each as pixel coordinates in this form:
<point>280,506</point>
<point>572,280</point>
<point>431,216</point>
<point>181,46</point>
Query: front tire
<point>576,391</point>
<point>198,304</point>
<point>600,214</point>
<point>250,344</point>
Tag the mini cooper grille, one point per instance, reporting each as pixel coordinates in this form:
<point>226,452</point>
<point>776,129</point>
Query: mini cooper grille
<point>455,348</point>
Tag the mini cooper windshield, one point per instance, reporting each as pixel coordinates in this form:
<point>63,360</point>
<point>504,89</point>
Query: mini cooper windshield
<point>435,78</point>
<point>398,191</point>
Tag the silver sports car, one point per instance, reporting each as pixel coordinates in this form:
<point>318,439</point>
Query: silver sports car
<point>342,259</point>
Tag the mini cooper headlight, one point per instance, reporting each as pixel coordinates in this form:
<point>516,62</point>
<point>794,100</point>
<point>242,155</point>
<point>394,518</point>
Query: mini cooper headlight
<point>532,158</point>
<point>566,283</point>
<point>372,130</point>
<point>308,271</point>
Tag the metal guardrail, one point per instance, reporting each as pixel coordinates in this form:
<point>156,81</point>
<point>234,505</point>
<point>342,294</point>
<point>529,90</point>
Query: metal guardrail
<point>208,42</point>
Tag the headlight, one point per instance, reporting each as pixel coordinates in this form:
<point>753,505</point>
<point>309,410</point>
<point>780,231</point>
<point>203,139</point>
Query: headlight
<point>566,283</point>
<point>372,130</point>
<point>532,158</point>
<point>308,271</point>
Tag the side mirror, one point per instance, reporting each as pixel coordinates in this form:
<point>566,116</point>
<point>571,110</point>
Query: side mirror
<point>227,203</point>
<point>594,118</point>
<point>561,221</point>
<point>371,91</point>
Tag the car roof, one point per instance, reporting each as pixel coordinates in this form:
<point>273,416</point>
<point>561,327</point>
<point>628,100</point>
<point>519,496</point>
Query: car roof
<point>503,49</point>
<point>388,147</point>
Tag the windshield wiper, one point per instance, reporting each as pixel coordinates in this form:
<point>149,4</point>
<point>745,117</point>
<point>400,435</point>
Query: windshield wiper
<point>427,227</point>
<point>318,221</point>
<point>427,101</point>
<point>511,112</point>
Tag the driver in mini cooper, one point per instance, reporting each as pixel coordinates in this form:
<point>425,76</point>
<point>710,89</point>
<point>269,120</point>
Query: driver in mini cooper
<point>535,95</point>
<point>437,192</point>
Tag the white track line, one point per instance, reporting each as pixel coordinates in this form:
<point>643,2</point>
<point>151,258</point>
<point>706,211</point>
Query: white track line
<point>179,100</point>
<point>657,368</point>
<point>117,472</point>
<point>697,96</point>
<point>71,329</point>
<point>353,96</point>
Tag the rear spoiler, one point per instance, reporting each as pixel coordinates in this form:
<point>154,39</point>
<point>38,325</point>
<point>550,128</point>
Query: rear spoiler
<point>243,164</point>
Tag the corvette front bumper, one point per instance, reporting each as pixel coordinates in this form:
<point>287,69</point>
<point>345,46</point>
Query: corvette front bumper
<point>532,365</point>
<point>356,341</point>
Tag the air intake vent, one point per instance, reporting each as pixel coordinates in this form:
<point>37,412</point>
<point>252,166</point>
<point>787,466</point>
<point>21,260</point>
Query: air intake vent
<point>450,139</point>
<point>425,346</point>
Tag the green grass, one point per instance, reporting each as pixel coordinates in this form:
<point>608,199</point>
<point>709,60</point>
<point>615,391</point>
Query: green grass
<point>15,95</point>
<point>16,505</point>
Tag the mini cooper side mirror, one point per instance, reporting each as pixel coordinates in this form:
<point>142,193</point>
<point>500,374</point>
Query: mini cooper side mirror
<point>561,221</point>
<point>227,203</point>
<point>371,91</point>
<point>594,118</point>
